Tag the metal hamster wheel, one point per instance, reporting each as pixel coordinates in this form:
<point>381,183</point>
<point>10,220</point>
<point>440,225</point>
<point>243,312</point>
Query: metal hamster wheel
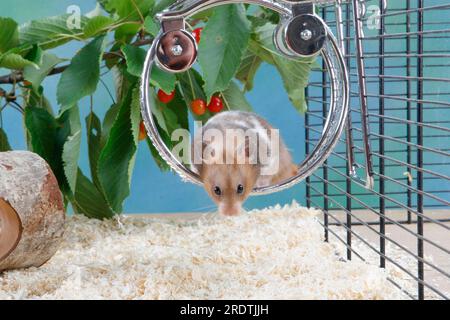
<point>175,51</point>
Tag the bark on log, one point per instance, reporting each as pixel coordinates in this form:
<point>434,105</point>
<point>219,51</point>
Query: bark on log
<point>31,211</point>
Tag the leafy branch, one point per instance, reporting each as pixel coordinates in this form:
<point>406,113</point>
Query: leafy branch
<point>235,42</point>
<point>17,76</point>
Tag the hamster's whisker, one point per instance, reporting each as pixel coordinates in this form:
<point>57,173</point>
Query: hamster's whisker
<point>204,208</point>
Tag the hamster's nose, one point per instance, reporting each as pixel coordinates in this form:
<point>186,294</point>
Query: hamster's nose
<point>230,209</point>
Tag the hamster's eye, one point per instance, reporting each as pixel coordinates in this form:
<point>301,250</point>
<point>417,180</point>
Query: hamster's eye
<point>217,191</point>
<point>240,189</point>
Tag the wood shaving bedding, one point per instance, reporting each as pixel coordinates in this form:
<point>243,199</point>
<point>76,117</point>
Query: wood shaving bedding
<point>275,253</point>
<point>398,264</point>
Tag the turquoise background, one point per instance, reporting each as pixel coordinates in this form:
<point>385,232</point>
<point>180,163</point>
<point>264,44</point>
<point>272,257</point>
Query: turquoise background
<point>153,191</point>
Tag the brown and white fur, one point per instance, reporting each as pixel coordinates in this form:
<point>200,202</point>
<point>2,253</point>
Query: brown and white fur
<point>234,179</point>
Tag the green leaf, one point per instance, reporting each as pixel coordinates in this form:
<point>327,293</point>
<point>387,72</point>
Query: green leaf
<point>9,34</point>
<point>89,200</point>
<point>15,61</point>
<point>49,137</point>
<point>224,41</point>
<point>203,15</point>
<point>80,79</point>
<point>258,49</point>
<point>151,26</point>
<point>160,121</point>
<point>46,138</point>
<point>42,127</point>
<point>97,11</point>
<point>191,84</point>
<point>173,115</point>
<point>160,162</point>
<point>70,157</point>
<point>169,117</point>
<point>57,141</point>
<point>248,68</point>
<point>135,115</point>
<point>68,124</point>
<point>260,16</point>
<point>163,80</point>
<point>118,79</point>
<point>179,108</point>
<point>36,98</point>
<point>94,137</point>
<point>103,4</point>
<point>71,148</point>
<point>135,57</point>
<point>295,73</point>
<point>50,32</point>
<point>160,5</point>
<point>108,122</point>
<point>129,9</point>
<point>126,32</point>
<point>123,81</point>
<point>36,76</point>
<point>117,157</point>
<point>4,143</point>
<point>157,113</point>
<point>35,55</point>
<point>234,99</point>
<point>96,25</point>
<point>295,79</point>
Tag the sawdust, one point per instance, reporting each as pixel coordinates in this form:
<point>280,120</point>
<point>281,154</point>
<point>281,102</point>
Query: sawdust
<point>276,253</point>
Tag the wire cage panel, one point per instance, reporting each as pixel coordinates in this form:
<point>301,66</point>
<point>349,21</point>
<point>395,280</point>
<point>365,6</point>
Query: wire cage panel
<point>400,91</point>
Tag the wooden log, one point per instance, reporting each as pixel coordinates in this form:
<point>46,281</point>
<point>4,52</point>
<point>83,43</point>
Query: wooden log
<point>31,211</point>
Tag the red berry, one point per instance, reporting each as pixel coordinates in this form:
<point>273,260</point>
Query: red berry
<point>142,131</point>
<point>216,104</point>
<point>197,34</point>
<point>164,97</point>
<point>198,107</point>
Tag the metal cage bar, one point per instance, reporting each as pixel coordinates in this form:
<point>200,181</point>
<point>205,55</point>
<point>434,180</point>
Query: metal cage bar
<point>404,221</point>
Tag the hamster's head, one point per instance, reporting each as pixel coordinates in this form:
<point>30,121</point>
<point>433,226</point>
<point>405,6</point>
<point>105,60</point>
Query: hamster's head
<point>229,185</point>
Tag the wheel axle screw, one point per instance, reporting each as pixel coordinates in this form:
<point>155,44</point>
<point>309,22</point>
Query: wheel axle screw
<point>177,50</point>
<point>306,34</point>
